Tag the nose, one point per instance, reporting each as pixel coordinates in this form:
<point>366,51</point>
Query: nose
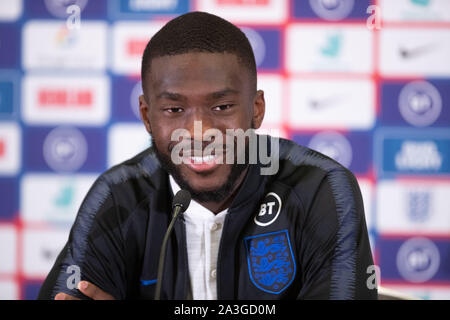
<point>197,123</point>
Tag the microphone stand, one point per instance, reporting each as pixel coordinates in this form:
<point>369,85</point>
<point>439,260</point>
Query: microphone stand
<point>162,255</point>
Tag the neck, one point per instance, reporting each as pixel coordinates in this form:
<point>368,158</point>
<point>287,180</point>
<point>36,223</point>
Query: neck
<point>217,207</point>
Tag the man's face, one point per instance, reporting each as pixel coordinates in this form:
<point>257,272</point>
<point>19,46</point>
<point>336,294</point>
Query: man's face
<point>214,88</point>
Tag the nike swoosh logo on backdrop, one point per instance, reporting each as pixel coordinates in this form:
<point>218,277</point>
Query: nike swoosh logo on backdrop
<point>410,53</point>
<point>330,101</point>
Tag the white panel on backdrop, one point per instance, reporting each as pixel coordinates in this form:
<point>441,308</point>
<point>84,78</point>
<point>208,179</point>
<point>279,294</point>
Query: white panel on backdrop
<point>51,45</point>
<point>329,48</point>
<point>129,41</point>
<point>242,11</point>
<point>9,290</point>
<point>426,292</point>
<point>41,247</point>
<point>125,141</point>
<point>10,10</point>
<point>415,10</point>
<point>8,249</point>
<point>10,148</point>
<point>272,85</point>
<point>82,100</point>
<point>58,202</point>
<point>421,52</point>
<point>338,104</point>
<point>413,207</point>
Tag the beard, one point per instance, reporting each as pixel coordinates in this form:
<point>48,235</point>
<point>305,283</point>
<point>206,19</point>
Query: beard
<point>216,195</point>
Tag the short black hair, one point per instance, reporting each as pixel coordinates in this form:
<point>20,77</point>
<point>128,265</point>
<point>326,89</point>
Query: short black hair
<point>199,32</point>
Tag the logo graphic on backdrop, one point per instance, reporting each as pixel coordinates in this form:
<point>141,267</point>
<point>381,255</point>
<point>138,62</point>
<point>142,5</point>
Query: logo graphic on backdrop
<point>269,211</point>
<point>10,148</point>
<point>8,95</point>
<point>58,202</point>
<point>418,204</point>
<point>416,10</point>
<point>41,247</point>
<point>331,104</point>
<point>333,145</point>
<point>237,11</point>
<point>56,99</point>
<point>63,48</point>
<point>420,103</point>
<point>329,48</point>
<point>145,9</point>
<point>134,99</point>
<point>418,260</point>
<point>257,43</point>
<point>415,52</point>
<point>413,207</point>
<point>58,8</point>
<point>332,9</point>
<point>271,263</point>
<point>408,151</point>
<point>129,41</point>
<point>418,155</point>
<point>332,46</point>
<point>65,149</point>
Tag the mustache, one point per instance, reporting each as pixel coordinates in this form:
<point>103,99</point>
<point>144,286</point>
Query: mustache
<point>192,146</point>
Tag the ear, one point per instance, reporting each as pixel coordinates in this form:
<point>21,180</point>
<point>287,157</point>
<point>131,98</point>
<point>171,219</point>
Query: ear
<point>144,110</point>
<point>259,108</point>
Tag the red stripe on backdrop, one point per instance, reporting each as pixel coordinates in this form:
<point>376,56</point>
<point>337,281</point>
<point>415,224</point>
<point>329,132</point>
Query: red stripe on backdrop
<point>20,276</point>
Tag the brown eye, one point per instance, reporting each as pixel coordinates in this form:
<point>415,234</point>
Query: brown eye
<point>222,107</point>
<point>174,110</point>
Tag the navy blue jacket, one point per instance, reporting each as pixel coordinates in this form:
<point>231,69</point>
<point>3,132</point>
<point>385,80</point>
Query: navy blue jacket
<point>298,234</point>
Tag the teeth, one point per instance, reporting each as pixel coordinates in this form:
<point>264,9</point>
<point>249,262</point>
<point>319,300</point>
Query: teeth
<point>202,159</point>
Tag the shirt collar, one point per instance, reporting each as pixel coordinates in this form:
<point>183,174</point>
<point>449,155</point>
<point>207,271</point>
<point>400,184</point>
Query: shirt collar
<point>196,210</point>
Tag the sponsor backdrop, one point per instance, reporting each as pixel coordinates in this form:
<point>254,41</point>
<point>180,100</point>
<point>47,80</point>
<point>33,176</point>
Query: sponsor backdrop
<point>365,82</point>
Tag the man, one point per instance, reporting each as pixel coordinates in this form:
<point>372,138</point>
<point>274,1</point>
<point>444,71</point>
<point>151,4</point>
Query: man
<point>297,233</point>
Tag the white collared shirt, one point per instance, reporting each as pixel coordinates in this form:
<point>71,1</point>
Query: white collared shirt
<point>203,233</point>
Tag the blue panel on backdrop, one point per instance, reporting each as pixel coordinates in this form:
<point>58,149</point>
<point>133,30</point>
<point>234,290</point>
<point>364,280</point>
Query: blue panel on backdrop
<point>266,44</point>
<point>9,198</point>
<point>10,45</point>
<point>132,9</point>
<point>414,260</point>
<point>330,10</point>
<point>64,149</point>
<point>412,152</point>
<point>56,9</point>
<point>31,290</point>
<point>9,94</point>
<point>125,98</point>
<point>416,103</point>
<point>353,149</point>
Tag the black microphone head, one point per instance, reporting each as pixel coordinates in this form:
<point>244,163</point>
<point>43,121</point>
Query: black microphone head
<point>182,199</point>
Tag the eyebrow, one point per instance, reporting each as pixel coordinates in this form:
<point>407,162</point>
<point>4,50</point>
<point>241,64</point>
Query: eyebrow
<point>223,93</point>
<point>214,95</point>
<point>169,96</point>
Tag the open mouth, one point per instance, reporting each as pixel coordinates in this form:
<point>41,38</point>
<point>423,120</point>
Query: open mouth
<point>203,163</point>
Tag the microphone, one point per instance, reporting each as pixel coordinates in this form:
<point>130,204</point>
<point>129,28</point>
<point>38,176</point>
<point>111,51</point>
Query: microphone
<point>180,203</point>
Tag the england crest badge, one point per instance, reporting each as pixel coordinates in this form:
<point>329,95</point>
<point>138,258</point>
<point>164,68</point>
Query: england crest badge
<point>271,263</point>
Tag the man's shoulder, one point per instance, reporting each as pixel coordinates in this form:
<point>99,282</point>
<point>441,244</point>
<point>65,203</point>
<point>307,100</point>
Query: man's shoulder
<point>133,179</point>
<point>297,158</point>
<point>141,166</point>
<point>307,171</point>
